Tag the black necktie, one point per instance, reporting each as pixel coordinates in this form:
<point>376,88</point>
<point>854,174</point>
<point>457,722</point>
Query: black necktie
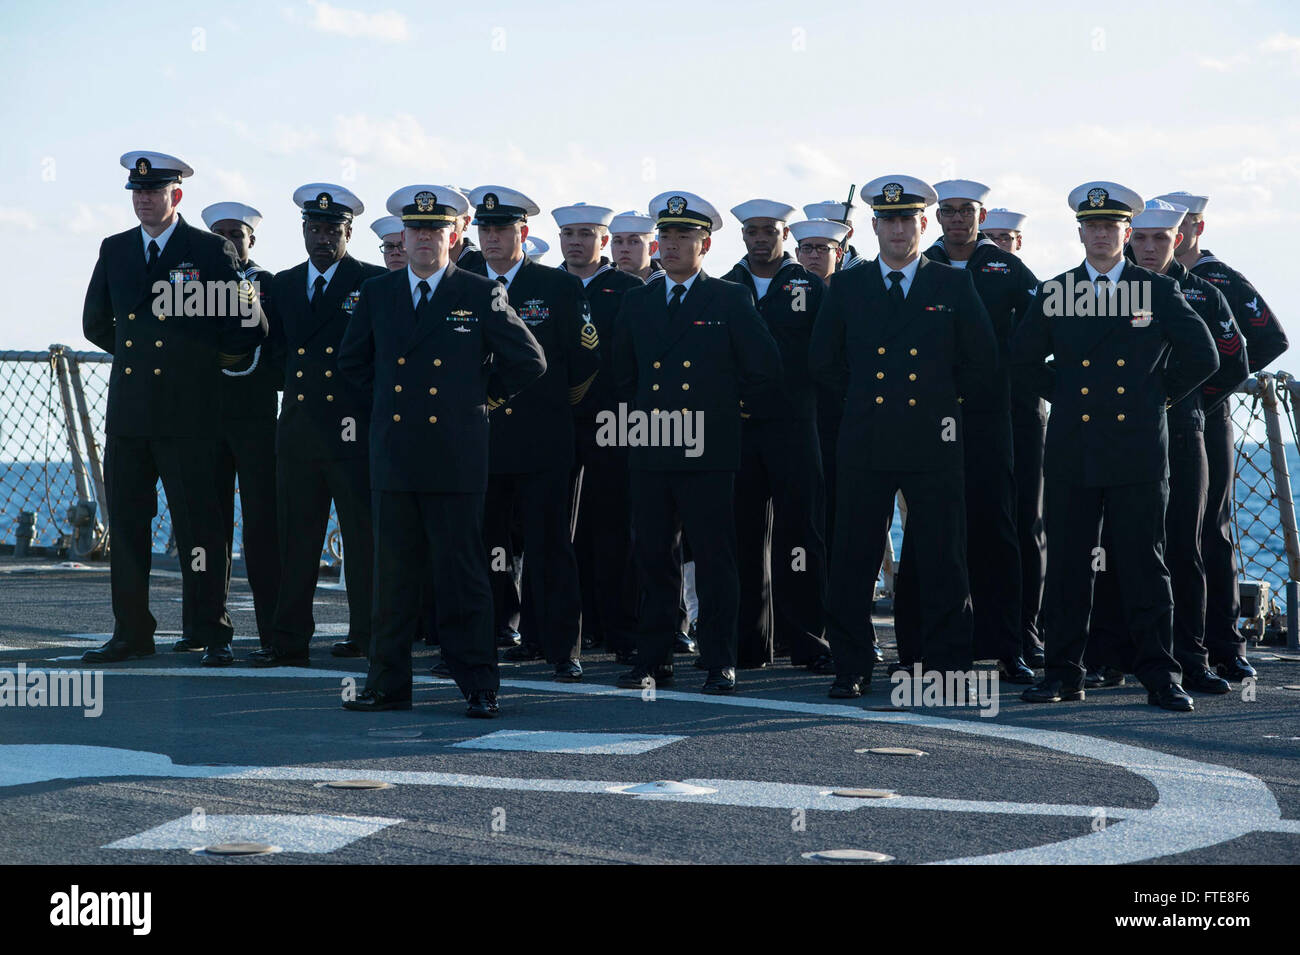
<point>153,254</point>
<point>422,307</point>
<point>675,301</point>
<point>501,280</point>
<point>318,292</point>
<point>896,289</point>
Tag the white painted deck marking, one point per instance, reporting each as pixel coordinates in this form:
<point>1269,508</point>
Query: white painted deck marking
<point>310,833</point>
<point>1198,804</point>
<point>541,741</point>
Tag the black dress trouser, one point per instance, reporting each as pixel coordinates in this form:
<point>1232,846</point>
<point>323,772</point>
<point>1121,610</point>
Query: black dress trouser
<point>247,450</point>
<point>415,533</point>
<point>304,489</point>
<point>186,465</point>
<point>1109,644</point>
<point>1135,514</point>
<point>992,548</point>
<point>1223,640</point>
<point>780,541</point>
<point>551,606</point>
<point>936,516</point>
<point>664,504</point>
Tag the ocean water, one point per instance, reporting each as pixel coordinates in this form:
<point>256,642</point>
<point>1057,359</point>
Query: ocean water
<point>50,491</point>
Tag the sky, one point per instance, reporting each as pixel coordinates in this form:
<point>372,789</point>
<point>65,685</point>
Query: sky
<point>612,104</point>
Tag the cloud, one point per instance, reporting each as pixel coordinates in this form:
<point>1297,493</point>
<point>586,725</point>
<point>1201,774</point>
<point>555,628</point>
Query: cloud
<point>807,162</point>
<point>101,219</point>
<point>387,25</point>
<point>399,140</point>
<point>1222,66</point>
<point>18,217</point>
<point>1281,43</point>
<point>232,182</point>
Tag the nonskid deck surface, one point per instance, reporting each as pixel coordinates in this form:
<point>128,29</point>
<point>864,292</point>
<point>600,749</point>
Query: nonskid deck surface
<point>182,757</point>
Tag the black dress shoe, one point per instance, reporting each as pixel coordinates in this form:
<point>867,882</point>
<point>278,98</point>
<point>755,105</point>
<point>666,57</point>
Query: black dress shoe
<point>442,668</point>
<point>825,663</point>
<point>845,688</point>
<point>508,637</point>
<point>1101,677</point>
<point>720,682</point>
<point>877,653</point>
<point>115,651</point>
<point>346,648</point>
<point>683,643</point>
<point>637,678</point>
<point>1171,697</point>
<point>482,705</point>
<point>1015,671</point>
<point>376,701</point>
<point>1051,691</point>
<point>523,654</point>
<point>188,645</point>
<point>625,657</point>
<point>664,674</point>
<point>1035,657</point>
<point>1237,669</point>
<point>217,657</point>
<point>271,657</point>
<point>1204,681</point>
<point>570,671</point>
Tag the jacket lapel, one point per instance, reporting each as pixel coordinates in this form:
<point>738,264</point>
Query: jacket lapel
<point>692,307</point>
<point>344,280</point>
<point>1097,328</point>
<point>444,297</point>
<point>912,304</point>
<point>173,253</point>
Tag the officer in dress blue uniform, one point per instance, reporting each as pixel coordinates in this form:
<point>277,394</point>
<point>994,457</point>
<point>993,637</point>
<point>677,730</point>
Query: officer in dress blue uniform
<point>389,231</point>
<point>602,539</point>
<point>1125,342</point>
<point>164,402</point>
<point>1005,286</point>
<point>247,447</point>
<point>687,351</point>
<point>423,341</point>
<point>1265,342</point>
<point>321,437</point>
<point>532,436</point>
<point>780,493</point>
<point>1155,238</point>
<point>904,338</point>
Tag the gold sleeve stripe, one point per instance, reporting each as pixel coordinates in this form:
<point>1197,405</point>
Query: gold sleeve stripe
<point>578,392</point>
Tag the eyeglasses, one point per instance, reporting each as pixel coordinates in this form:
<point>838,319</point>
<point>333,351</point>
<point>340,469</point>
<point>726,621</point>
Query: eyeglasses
<point>388,247</point>
<point>948,212</point>
<point>819,249</point>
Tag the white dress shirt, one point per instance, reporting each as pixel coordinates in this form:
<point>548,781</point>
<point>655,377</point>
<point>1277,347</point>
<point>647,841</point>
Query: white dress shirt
<point>1113,274</point>
<point>669,285</point>
<point>909,273</point>
<point>161,239</point>
<point>510,276</point>
<point>312,272</point>
<point>433,281</point>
